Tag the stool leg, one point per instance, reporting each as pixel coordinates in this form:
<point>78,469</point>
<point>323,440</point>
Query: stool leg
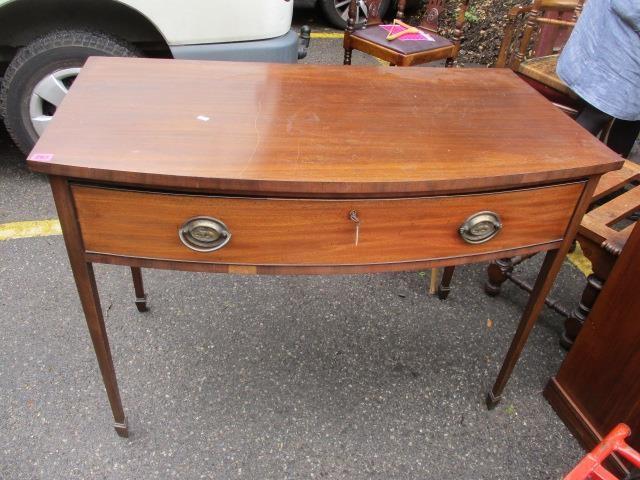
<point>141,298</point>
<point>445,283</point>
<point>573,324</point>
<point>497,272</point>
<point>347,56</point>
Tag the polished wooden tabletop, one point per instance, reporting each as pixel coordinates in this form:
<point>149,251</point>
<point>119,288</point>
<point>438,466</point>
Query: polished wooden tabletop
<point>311,130</point>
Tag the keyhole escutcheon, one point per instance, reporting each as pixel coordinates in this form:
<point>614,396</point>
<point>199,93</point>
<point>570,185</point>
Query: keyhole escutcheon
<point>353,216</point>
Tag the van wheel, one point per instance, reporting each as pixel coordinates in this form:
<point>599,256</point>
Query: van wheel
<point>337,11</point>
<point>40,75</point>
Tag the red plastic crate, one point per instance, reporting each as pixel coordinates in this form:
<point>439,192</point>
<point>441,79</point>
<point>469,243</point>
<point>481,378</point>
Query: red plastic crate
<point>590,467</point>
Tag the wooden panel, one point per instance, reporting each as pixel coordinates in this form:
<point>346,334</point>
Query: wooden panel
<point>314,269</point>
<point>318,232</point>
<point>597,385</point>
<point>312,130</point>
<point>613,181</point>
<point>597,225</point>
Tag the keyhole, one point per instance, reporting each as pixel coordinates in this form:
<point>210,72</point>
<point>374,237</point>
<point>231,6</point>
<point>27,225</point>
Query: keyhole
<point>353,216</point>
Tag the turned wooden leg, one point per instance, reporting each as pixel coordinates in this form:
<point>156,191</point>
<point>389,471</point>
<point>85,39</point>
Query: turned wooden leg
<point>550,267</point>
<point>138,286</point>
<point>88,292</point>
<point>347,56</point>
<point>573,324</point>
<point>497,272</point>
<point>445,283</point>
<point>433,281</point>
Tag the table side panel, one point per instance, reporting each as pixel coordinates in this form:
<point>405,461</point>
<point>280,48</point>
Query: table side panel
<point>267,231</point>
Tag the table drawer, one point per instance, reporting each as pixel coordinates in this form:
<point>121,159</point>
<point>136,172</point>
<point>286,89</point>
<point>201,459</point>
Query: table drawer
<point>269,231</point>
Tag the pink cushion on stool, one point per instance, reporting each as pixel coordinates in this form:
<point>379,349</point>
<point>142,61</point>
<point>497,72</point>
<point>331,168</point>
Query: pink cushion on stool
<point>378,35</point>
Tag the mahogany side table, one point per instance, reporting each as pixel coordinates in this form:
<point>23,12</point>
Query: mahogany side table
<point>278,169</point>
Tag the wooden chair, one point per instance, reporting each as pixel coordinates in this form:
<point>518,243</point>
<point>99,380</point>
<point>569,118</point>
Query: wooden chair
<point>598,235</point>
<point>533,37</point>
<point>602,235</point>
<point>372,39</point>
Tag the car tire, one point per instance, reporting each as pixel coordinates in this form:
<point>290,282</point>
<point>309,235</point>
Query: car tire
<point>48,66</point>
<point>335,12</point>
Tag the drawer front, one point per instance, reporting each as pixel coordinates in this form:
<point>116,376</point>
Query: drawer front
<point>318,232</point>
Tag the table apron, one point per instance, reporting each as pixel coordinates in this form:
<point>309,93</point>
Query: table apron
<point>94,257</point>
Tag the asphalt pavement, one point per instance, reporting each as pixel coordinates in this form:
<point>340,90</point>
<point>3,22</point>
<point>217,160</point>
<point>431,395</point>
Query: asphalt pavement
<point>337,377</point>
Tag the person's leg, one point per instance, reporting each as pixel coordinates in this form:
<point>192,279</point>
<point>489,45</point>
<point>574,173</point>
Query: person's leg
<point>592,119</point>
<point>622,136</point>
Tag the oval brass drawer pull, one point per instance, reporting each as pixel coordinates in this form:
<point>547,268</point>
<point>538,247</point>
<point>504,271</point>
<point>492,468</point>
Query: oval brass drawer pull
<point>204,234</point>
<point>480,227</point>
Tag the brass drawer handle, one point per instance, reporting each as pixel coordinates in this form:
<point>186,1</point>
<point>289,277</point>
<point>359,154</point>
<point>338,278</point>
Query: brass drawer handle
<point>480,227</point>
<point>204,234</point>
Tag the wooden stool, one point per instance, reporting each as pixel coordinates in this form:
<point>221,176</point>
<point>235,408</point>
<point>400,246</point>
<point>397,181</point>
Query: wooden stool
<point>375,40</point>
<point>601,243</point>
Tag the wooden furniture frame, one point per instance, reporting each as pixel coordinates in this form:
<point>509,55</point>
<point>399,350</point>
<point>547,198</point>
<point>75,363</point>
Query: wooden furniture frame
<point>262,165</point>
<point>599,238</point>
<point>597,384</point>
<point>533,37</point>
<point>396,52</point>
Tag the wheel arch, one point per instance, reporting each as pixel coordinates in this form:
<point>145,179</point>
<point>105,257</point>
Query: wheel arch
<point>25,20</point>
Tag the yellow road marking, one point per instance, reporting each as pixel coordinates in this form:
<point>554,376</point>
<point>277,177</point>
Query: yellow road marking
<point>37,228</point>
<point>581,262</point>
<point>340,35</point>
<point>327,34</point>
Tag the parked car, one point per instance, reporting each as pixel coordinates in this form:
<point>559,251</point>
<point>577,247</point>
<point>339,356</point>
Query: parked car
<point>44,43</point>
<point>337,11</point>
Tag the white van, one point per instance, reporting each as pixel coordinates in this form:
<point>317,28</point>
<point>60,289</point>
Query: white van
<point>43,44</point>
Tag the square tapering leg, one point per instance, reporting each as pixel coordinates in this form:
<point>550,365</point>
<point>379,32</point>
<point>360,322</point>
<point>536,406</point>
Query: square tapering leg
<point>138,286</point>
<point>547,275</point>
<point>88,292</point>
